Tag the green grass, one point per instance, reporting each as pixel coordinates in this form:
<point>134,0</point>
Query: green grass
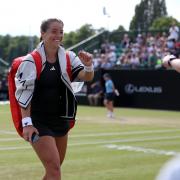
<point>88,157</point>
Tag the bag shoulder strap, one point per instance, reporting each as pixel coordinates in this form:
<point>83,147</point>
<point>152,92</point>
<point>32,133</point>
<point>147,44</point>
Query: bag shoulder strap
<point>38,62</point>
<point>68,65</point>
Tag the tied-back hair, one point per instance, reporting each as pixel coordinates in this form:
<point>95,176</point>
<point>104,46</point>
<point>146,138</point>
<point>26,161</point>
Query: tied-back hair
<point>107,75</point>
<point>46,23</point>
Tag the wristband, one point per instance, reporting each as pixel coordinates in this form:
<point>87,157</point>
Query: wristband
<point>89,68</point>
<point>26,122</point>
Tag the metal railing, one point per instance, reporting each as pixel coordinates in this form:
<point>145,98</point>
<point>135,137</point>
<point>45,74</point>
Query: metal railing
<point>90,43</point>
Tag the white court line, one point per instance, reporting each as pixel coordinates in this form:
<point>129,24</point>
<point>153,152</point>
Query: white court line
<point>7,132</point>
<point>9,139</point>
<point>108,134</point>
<point>125,133</point>
<point>141,149</point>
<point>126,140</point>
<point>100,142</point>
<point>4,102</point>
<point>95,135</point>
<point>15,148</point>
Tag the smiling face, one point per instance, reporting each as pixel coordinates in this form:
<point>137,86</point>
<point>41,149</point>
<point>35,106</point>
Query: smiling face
<point>52,33</point>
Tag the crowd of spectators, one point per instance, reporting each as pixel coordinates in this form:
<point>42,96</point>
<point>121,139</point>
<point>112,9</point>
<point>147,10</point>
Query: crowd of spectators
<point>144,51</point>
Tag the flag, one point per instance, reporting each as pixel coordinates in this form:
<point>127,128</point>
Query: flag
<point>104,11</point>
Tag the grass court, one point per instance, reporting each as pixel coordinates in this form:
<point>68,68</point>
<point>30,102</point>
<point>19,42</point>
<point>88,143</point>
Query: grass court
<point>133,146</point>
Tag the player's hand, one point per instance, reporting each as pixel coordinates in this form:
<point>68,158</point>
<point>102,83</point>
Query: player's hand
<point>166,60</point>
<point>28,131</point>
<point>86,58</point>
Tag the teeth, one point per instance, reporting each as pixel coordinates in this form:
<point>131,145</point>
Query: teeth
<point>57,40</point>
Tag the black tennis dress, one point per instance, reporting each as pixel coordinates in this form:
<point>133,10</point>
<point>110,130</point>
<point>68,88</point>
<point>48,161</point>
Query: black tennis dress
<point>49,102</point>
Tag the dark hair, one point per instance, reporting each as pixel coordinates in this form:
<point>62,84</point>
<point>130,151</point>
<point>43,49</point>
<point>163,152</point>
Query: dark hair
<point>106,75</point>
<point>46,23</point>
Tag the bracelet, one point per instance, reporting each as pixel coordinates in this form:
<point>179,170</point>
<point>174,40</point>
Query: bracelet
<point>26,122</point>
<point>89,68</point>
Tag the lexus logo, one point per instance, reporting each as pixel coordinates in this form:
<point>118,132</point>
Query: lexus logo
<point>131,88</point>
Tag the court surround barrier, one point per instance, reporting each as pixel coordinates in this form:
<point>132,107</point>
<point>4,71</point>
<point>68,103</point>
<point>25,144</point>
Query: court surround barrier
<point>151,89</point>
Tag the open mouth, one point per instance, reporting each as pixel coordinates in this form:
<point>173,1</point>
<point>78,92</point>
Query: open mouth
<point>57,40</point>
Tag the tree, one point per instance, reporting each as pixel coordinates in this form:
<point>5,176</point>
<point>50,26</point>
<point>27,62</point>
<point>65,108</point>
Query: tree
<point>4,43</point>
<point>146,12</point>
<point>77,36</point>
<point>11,47</point>
<point>120,28</point>
<point>117,35</point>
<point>163,23</point>
<point>69,39</point>
<point>84,32</point>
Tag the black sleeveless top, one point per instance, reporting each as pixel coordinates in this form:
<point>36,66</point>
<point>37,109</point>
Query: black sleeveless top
<point>49,94</point>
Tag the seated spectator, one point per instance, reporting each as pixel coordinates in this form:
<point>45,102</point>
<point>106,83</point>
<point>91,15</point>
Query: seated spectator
<point>96,59</point>
<point>95,94</point>
<point>135,62</point>
<point>174,32</point>
<point>170,43</point>
<point>105,64</point>
<point>112,46</point>
<point>150,39</point>
<point>124,61</point>
<point>111,55</point>
<point>125,41</point>
<point>152,60</point>
<point>140,39</point>
<point>104,47</point>
<point>144,51</point>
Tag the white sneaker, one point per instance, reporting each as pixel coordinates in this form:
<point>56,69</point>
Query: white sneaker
<point>110,115</point>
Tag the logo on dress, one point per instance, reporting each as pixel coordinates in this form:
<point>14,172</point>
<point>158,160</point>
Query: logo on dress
<point>52,69</point>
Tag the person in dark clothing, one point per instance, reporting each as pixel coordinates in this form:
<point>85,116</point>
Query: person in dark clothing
<point>95,94</point>
<point>48,105</point>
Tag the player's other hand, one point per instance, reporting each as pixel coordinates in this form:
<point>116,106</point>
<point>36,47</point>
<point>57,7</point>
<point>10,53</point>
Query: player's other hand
<point>166,60</point>
<point>28,131</point>
<point>86,58</point>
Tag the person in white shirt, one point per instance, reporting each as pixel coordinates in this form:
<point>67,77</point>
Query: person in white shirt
<point>174,32</point>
